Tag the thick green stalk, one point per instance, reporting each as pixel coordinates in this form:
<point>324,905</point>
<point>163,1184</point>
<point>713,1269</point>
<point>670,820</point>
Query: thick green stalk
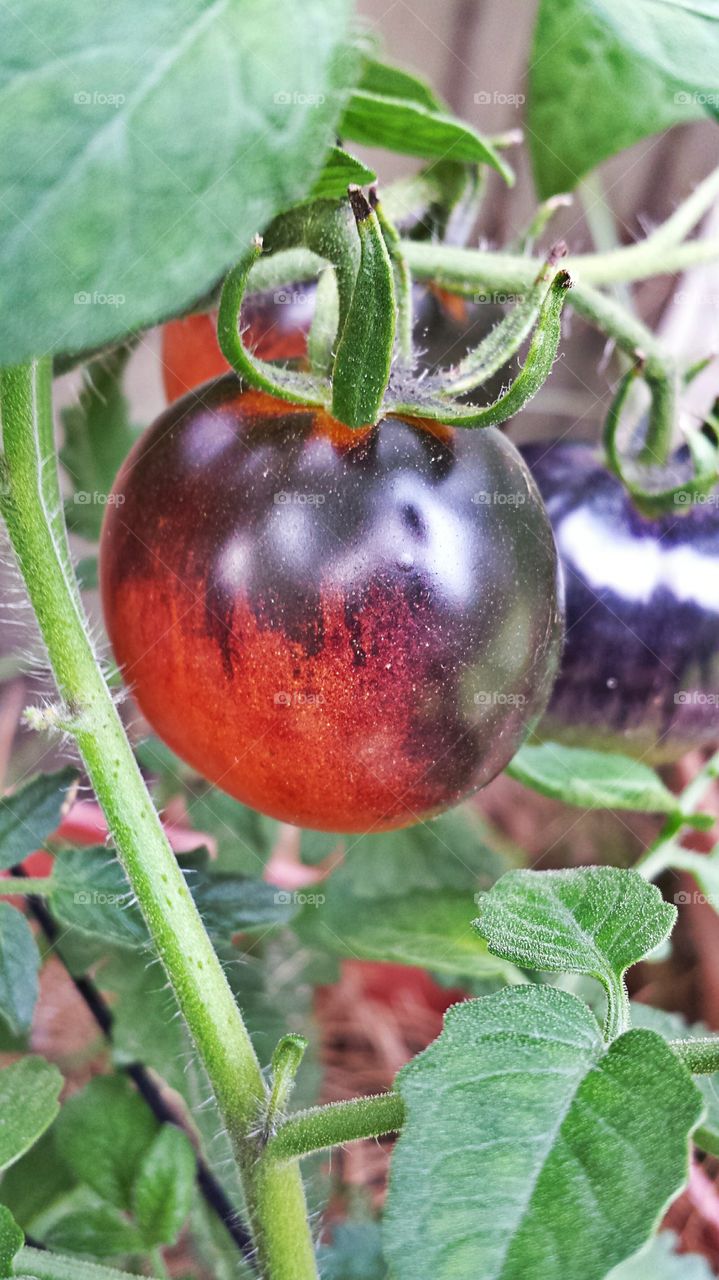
<point>37,534</point>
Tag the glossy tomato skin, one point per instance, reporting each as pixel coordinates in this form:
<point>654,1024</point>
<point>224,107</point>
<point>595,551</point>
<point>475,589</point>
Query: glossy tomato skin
<point>640,668</point>
<point>276,324</point>
<point>345,630</point>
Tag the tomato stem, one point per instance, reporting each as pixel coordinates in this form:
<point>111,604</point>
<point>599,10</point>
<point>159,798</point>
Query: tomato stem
<point>30,504</point>
<point>700,1056</point>
<point>320,1128</point>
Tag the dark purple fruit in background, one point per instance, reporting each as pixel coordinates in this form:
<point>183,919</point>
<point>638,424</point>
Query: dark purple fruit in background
<point>640,670</point>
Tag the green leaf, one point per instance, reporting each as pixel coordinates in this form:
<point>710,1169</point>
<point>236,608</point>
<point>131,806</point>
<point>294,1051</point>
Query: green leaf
<point>354,1254</point>
<point>103,1135</point>
<point>408,897</point>
<point>127,215</point>
<point>30,815</point>
<point>19,965</point>
<point>162,1195</point>
<point>244,837</point>
<point>90,892</point>
<point>396,124</point>
<point>11,1241</point>
<point>451,852</point>
<point>35,1185</point>
<point>394,82</point>
<point>98,1230</point>
<point>431,930</point>
<point>146,1026</point>
<point>530,1148</point>
<point>232,904</point>
<point>643,67</point>
<point>98,437</point>
<point>591,779</point>
<point>672,1026</point>
<point>29,1091</point>
<point>660,1261</point>
<point>315,846</point>
<point>591,920</point>
<point>340,169</point>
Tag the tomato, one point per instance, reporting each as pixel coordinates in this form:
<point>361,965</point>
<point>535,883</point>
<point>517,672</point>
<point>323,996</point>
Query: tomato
<point>276,325</point>
<point>640,670</point>
<point>342,629</point>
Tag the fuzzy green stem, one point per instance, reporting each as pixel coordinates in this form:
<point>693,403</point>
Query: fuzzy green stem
<point>665,852</point>
<point>320,1128</point>
<point>41,888</point>
<point>602,225</point>
<point>460,269</point>
<point>158,1263</point>
<point>43,1265</point>
<point>618,1018</point>
<point>203,994</point>
<point>701,1057</point>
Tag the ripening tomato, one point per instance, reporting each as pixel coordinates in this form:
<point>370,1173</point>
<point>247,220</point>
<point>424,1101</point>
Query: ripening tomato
<point>640,670</point>
<point>343,629</point>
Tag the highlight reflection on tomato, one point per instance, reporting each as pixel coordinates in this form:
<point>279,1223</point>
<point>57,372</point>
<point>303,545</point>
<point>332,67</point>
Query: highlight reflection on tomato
<point>343,629</point>
<point>640,669</point>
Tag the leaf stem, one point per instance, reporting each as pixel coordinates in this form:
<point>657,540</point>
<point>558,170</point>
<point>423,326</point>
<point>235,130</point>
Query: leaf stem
<point>42,1265</point>
<point>203,994</point>
<point>41,887</point>
<point>322,1127</point>
<point>666,852</point>
<point>700,1056</point>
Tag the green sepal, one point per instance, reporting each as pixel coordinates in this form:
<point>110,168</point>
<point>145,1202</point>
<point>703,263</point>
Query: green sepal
<point>505,338</point>
<point>364,353</point>
<point>536,369</point>
<point>286,384</point>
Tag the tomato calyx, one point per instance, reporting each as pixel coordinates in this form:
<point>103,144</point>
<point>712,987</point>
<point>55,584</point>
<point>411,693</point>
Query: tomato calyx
<point>362,365</point>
